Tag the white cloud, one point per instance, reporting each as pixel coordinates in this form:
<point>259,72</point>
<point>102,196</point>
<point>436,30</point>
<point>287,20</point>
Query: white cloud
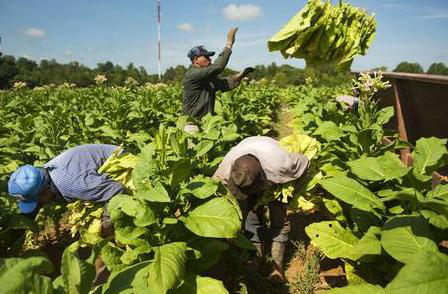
<point>434,16</point>
<point>34,32</point>
<point>27,56</point>
<point>68,53</point>
<point>186,27</point>
<point>394,6</point>
<point>242,12</point>
<point>434,13</point>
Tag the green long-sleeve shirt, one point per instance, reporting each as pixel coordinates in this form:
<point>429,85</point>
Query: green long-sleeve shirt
<point>201,84</point>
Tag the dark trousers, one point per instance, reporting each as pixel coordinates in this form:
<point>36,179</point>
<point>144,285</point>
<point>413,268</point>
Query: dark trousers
<point>279,227</point>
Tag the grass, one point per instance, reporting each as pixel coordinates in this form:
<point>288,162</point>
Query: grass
<point>304,269</point>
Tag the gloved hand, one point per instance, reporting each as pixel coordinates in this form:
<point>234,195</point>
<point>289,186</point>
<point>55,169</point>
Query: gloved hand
<point>231,37</point>
<point>242,74</point>
<point>247,71</point>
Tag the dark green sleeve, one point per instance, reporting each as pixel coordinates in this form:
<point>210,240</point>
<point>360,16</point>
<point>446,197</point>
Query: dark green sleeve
<point>212,71</point>
<point>226,84</point>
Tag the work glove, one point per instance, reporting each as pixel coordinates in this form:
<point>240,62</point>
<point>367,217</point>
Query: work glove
<point>247,71</point>
<point>242,74</point>
<point>231,37</point>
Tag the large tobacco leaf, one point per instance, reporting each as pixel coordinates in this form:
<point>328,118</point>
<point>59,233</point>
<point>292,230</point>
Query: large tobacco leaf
<point>352,192</point>
<point>382,168</point>
<point>77,275</point>
<point>428,156</point>
<point>338,242</point>
<point>168,267</point>
<point>323,33</point>
<point>404,236</point>
<point>215,218</point>
<point>25,275</point>
<point>427,272</point>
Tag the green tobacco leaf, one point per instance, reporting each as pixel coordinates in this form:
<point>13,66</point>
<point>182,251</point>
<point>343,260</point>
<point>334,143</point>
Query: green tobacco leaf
<point>181,170</point>
<point>22,275</point>
<point>243,242</point>
<point>334,208</point>
<point>384,115</point>
<point>404,236</point>
<point>369,244</point>
<point>357,289</point>
<point>111,256</point>
<point>435,219</point>
<point>77,274</point>
<point>110,132</point>
<point>440,191</point>
<point>332,239</point>
<point>130,255</point>
<point>215,218</point>
<point>364,220</point>
<point>19,221</point>
<point>120,281</point>
<point>203,147</point>
<point>383,168</point>
<point>128,233</point>
<point>143,215</point>
<point>329,131</point>
<point>352,275</point>
<point>203,187</point>
<point>352,192</point>
<point>427,272</point>
<point>333,170</point>
<point>145,167</point>
<point>211,122</point>
<point>427,157</point>
<point>201,285</point>
<point>367,168</point>
<point>167,270</point>
<point>207,252</point>
<point>392,166</point>
<point>156,194</point>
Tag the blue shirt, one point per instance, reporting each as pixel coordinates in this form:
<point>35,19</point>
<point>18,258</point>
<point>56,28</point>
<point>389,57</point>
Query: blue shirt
<point>74,173</point>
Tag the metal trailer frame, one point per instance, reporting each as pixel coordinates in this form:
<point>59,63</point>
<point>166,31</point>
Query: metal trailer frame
<point>420,102</point>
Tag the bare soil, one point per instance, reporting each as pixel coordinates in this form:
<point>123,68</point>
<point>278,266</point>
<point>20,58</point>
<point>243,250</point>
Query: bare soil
<point>299,260</point>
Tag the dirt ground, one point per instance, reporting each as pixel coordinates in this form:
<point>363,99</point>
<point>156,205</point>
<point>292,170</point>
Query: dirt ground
<point>307,269</point>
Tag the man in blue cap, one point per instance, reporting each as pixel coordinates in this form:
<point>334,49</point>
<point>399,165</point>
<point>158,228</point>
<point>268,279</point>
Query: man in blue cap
<point>201,81</point>
<point>71,175</point>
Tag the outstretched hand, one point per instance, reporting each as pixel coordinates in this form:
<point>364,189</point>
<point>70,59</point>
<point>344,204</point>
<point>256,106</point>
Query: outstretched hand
<point>242,74</point>
<point>231,37</point>
<point>247,71</point>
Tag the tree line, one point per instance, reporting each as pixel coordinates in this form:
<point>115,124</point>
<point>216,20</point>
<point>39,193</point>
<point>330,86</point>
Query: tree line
<point>48,72</point>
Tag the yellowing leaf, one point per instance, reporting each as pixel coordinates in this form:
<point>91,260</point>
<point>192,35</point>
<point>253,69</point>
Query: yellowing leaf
<point>300,143</point>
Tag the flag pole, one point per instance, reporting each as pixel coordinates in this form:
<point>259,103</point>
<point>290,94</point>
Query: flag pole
<point>158,39</point>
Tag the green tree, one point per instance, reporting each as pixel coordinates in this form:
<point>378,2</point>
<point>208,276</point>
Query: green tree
<point>438,69</point>
<point>379,68</point>
<point>174,74</point>
<point>8,70</point>
<point>26,71</point>
<point>105,68</point>
<point>409,67</point>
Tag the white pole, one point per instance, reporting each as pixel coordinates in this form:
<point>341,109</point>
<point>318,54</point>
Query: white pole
<point>158,38</point>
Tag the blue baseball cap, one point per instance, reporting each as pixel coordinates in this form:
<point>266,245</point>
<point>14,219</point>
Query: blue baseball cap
<point>25,184</point>
<point>199,51</point>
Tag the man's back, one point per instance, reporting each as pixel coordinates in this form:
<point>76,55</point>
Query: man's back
<point>74,173</point>
<point>279,165</point>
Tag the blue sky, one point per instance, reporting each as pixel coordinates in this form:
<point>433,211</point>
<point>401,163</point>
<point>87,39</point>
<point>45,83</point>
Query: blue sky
<point>92,31</point>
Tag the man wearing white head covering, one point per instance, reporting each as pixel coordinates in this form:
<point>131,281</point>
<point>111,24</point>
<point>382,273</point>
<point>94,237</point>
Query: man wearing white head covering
<point>248,170</point>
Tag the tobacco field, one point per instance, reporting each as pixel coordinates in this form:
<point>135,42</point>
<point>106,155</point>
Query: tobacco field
<point>175,225</point>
